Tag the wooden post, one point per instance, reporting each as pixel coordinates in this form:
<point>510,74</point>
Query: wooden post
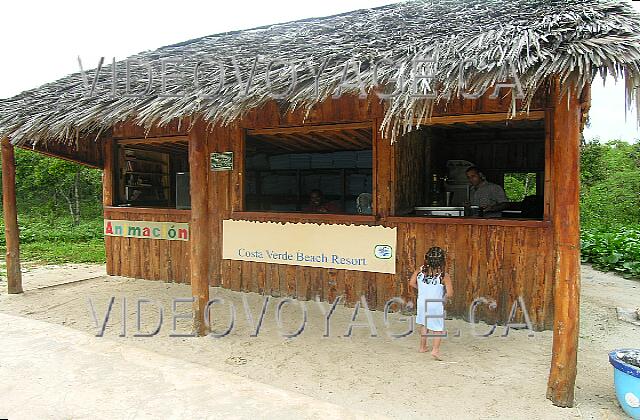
<point>108,172</point>
<point>565,215</point>
<point>108,186</point>
<point>11,230</point>
<point>384,171</point>
<point>198,228</point>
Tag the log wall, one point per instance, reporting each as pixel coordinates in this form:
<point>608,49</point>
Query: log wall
<point>497,260</point>
<point>147,258</point>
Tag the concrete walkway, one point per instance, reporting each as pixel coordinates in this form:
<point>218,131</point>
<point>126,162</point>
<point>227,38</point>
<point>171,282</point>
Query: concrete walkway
<point>50,371</point>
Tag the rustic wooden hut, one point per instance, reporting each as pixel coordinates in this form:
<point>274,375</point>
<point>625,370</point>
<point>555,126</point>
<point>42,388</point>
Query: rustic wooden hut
<point>501,84</point>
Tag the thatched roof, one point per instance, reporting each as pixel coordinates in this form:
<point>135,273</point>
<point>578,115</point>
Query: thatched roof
<point>572,39</point>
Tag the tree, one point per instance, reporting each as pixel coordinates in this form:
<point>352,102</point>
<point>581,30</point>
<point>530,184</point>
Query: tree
<point>610,175</point>
<point>51,185</point>
<point>519,185</point>
<point>592,164</point>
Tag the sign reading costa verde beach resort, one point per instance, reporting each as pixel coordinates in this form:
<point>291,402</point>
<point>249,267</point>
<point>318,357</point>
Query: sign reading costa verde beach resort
<point>359,248</point>
<point>167,231</point>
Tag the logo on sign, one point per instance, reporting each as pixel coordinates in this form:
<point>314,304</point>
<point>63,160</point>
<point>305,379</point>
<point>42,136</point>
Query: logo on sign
<point>383,252</point>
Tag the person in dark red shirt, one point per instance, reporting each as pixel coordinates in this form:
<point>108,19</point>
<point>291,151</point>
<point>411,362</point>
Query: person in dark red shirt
<point>317,204</point>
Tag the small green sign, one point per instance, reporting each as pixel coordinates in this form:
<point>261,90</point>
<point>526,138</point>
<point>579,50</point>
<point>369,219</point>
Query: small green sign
<point>222,161</point>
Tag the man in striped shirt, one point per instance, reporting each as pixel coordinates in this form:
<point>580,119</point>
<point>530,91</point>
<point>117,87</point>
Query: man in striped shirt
<point>488,196</point>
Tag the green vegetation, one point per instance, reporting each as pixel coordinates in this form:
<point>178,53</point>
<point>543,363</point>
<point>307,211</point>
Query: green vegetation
<point>616,249</point>
<point>59,210</point>
<point>610,206</point>
<point>58,240</point>
<point>519,185</point>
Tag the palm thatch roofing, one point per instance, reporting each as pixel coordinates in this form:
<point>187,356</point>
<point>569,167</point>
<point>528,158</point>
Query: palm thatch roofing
<point>574,40</point>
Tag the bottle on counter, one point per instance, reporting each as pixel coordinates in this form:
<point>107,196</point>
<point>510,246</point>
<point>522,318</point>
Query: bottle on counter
<point>435,190</point>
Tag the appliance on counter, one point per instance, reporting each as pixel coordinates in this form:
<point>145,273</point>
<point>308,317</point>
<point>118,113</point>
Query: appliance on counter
<point>183,195</point>
<point>449,211</point>
<point>440,211</point>
<point>456,181</point>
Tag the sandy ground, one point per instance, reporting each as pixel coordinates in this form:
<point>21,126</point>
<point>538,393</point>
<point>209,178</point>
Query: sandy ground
<point>42,276</point>
<point>108,379</point>
<point>489,377</point>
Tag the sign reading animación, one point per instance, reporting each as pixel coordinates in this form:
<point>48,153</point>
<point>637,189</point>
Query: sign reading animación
<point>168,231</point>
<point>359,248</point>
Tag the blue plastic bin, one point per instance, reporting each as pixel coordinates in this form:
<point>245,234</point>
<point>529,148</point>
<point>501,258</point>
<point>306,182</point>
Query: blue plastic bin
<point>626,379</point>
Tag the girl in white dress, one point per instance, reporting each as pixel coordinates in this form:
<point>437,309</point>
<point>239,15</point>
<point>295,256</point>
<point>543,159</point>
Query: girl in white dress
<point>434,286</point>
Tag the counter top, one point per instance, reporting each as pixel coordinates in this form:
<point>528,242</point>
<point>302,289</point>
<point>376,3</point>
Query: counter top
<point>469,220</point>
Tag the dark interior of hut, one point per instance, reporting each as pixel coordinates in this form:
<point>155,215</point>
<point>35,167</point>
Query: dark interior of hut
<point>286,169</point>
<point>310,171</point>
<point>152,174</point>
<point>432,179</point>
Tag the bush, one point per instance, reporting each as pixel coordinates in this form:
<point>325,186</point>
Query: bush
<point>34,228</point>
<point>47,239</point>
<point>610,206</point>
<point>613,249</point>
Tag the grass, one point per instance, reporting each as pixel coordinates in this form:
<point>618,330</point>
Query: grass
<point>56,252</point>
<point>53,240</point>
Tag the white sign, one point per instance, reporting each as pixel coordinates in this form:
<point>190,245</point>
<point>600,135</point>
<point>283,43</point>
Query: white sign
<point>345,247</point>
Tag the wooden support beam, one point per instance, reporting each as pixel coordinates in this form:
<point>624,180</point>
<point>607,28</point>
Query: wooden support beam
<point>60,156</point>
<point>11,230</point>
<point>277,142</point>
<point>480,118</point>
<point>108,188</point>
<point>154,140</point>
<point>309,129</point>
<point>108,173</point>
<point>328,140</point>
<point>162,147</point>
<point>354,142</point>
<point>334,140</point>
<point>237,144</point>
<point>199,240</point>
<point>301,143</point>
<point>565,215</point>
<point>365,137</point>
<point>384,169</point>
